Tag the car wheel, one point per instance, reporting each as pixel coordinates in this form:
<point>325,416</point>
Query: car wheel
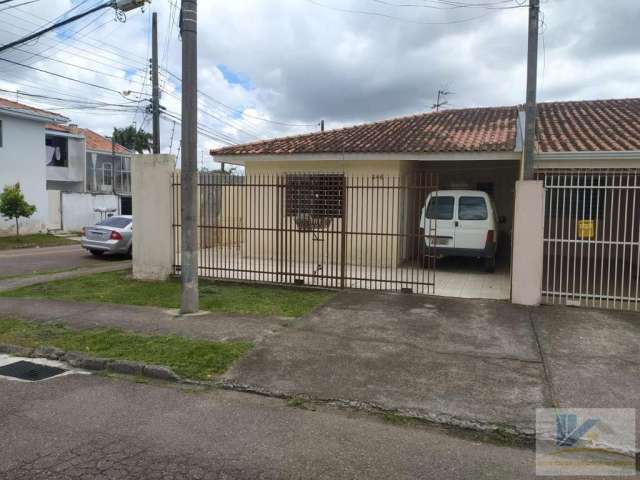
<point>96,253</point>
<point>130,252</point>
<point>490,264</point>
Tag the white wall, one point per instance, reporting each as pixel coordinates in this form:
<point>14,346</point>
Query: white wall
<point>22,159</point>
<point>78,209</point>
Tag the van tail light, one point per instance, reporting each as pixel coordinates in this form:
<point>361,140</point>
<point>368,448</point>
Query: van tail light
<point>115,236</point>
<point>491,235</point>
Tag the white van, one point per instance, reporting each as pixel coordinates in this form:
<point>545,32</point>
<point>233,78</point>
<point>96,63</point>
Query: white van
<point>461,223</point>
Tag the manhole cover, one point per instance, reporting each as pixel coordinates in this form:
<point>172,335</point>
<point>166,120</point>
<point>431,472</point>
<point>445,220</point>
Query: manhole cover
<point>30,371</point>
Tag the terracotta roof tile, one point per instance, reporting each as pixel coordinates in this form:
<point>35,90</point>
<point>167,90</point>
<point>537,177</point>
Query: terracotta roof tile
<point>468,130</point>
<point>598,125</point>
<point>595,125</point>
<point>98,143</point>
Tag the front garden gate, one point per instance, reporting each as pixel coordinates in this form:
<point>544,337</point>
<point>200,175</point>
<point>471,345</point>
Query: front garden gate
<point>324,230</point>
<point>592,238</point>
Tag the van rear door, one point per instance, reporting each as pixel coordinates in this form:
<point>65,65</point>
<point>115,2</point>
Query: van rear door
<point>439,214</point>
<point>473,222</point>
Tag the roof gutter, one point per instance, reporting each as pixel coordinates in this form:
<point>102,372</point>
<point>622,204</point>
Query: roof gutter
<point>602,159</point>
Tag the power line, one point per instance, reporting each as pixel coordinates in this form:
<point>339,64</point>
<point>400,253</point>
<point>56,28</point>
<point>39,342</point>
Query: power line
<point>56,26</point>
<point>101,87</point>
<point>19,5</point>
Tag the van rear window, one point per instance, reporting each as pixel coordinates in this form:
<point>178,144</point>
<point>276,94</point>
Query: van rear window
<point>440,208</point>
<point>472,208</point>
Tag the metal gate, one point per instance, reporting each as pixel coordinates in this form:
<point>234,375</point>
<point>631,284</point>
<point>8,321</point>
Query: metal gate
<point>592,239</point>
<point>315,229</point>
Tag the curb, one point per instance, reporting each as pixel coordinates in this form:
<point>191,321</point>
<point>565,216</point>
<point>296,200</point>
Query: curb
<point>494,432</point>
<point>491,431</point>
<point>79,360</point>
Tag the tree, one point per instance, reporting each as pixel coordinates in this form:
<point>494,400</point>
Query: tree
<point>14,205</point>
<point>133,139</point>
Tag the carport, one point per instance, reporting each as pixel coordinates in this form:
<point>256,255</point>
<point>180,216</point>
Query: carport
<point>462,276</point>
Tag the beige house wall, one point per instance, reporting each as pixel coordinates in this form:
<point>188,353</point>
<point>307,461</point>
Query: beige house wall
<point>369,213</point>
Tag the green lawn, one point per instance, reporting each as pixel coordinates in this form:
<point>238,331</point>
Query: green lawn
<point>36,240</point>
<point>118,287</point>
<point>194,359</point>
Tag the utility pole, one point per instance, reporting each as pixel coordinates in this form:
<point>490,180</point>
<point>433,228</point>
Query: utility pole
<point>189,192</point>
<point>322,125</point>
<point>156,87</point>
<point>531,108</point>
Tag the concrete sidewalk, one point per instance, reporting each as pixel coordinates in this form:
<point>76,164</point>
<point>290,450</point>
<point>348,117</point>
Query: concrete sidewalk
<point>146,320</point>
<point>479,364</point>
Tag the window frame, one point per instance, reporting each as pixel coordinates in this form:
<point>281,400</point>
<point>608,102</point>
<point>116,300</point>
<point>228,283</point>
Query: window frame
<point>104,183</point>
<point>319,195</point>
<point>58,138</point>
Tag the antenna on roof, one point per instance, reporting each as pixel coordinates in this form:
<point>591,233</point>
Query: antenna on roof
<point>321,125</point>
<point>441,102</point>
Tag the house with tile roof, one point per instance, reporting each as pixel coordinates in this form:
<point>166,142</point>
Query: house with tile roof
<point>22,154</point>
<point>61,168</point>
<point>580,143</point>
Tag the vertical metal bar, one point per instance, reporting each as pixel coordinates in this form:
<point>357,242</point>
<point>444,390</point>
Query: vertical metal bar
<point>632,238</point>
<point>624,242</point>
<point>610,237</point>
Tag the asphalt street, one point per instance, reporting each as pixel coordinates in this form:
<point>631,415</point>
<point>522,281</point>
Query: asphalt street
<point>30,261</point>
<point>99,427</point>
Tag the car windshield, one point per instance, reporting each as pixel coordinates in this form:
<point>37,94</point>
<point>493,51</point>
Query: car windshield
<point>115,222</point>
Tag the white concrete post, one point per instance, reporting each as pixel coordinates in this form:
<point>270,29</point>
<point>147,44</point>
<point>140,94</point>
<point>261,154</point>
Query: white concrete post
<point>528,243</point>
<point>151,192</point>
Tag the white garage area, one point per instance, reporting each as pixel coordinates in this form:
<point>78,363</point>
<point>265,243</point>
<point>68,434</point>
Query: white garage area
<point>465,277</point>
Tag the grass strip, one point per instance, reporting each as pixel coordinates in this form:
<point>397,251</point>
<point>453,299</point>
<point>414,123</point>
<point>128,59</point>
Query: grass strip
<point>35,240</point>
<point>118,287</point>
<point>194,359</point>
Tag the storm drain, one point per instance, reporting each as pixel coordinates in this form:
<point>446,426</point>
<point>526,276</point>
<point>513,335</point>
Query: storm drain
<point>30,371</point>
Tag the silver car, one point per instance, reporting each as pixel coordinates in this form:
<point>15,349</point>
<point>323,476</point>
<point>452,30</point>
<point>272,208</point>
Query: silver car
<point>113,235</point>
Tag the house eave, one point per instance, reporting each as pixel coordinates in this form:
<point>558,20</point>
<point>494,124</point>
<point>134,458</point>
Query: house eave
<point>36,117</point>
<point>366,157</point>
<point>599,159</point>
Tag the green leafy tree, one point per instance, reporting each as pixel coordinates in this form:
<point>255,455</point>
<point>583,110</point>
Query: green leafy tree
<point>133,139</point>
<point>13,205</point>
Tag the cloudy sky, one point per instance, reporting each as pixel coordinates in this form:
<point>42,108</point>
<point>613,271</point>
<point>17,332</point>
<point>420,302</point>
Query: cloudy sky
<point>277,67</point>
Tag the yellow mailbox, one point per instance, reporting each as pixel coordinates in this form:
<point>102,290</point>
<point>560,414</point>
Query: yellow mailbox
<point>586,229</point>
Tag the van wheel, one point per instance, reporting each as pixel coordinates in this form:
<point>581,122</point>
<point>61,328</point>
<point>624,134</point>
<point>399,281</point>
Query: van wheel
<point>490,264</point>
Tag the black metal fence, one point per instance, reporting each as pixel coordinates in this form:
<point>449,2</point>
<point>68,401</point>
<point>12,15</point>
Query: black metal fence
<point>315,229</point>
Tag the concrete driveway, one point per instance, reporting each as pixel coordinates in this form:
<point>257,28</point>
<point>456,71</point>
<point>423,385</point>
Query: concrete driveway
<point>482,364</point>
<point>30,261</point>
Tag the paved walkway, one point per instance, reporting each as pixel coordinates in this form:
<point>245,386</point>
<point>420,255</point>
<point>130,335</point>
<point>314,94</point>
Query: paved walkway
<point>102,428</point>
<point>147,320</point>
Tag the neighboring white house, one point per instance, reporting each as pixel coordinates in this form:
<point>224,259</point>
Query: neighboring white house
<point>74,176</point>
<point>22,153</point>
<point>88,177</point>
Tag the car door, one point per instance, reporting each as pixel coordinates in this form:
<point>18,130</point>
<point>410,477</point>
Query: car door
<point>438,216</point>
<point>472,221</point>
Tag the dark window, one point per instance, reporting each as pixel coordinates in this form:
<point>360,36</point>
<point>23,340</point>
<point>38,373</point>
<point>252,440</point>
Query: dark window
<point>115,222</point>
<point>57,151</point>
<point>317,195</point>
<point>472,208</point>
<point>126,207</point>
<point>440,208</point>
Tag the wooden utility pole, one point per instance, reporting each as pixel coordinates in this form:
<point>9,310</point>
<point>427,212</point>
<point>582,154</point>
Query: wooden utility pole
<point>156,87</point>
<point>531,108</point>
<point>189,187</point>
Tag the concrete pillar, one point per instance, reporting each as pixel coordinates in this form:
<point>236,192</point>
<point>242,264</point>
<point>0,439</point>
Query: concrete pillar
<point>151,192</point>
<point>528,243</point>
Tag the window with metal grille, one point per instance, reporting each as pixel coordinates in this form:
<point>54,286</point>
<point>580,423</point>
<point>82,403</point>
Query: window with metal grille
<point>317,195</point>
